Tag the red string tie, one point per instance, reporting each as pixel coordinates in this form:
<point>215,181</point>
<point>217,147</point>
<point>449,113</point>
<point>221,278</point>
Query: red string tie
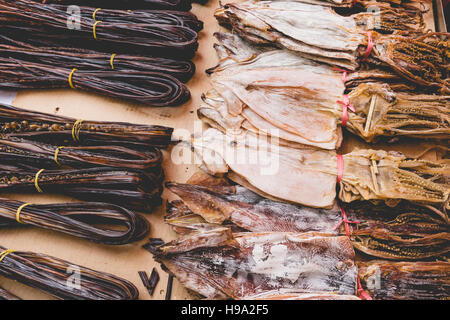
<point>346,223</point>
<point>344,74</point>
<point>345,106</point>
<point>362,294</point>
<point>370,46</point>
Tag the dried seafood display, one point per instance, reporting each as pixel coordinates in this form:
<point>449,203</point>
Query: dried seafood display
<point>63,131</point>
<point>419,58</point>
<point>249,83</point>
<point>401,232</point>
<point>386,280</point>
<point>52,275</point>
<point>98,222</point>
<point>309,176</point>
<point>219,264</point>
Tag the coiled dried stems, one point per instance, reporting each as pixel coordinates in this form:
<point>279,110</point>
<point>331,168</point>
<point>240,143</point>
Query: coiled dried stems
<point>41,155</point>
<point>89,60</point>
<point>148,88</point>
<point>50,23</point>
<point>164,17</point>
<point>184,5</point>
<point>63,131</point>
<point>53,276</point>
<point>136,190</point>
<point>98,222</point>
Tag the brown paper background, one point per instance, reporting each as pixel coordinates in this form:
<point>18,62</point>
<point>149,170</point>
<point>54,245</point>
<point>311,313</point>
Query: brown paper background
<point>126,261</point>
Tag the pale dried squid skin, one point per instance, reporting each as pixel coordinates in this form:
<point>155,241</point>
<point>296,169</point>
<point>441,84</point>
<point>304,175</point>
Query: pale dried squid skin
<point>250,86</point>
<point>306,176</point>
<point>299,27</point>
<point>254,263</point>
<point>385,280</point>
<point>380,112</point>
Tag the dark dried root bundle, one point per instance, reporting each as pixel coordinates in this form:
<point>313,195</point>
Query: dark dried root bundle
<point>135,190</point>
<point>63,131</point>
<point>184,5</point>
<point>89,60</point>
<point>40,155</point>
<point>56,277</point>
<point>51,24</point>
<point>148,88</point>
<point>163,17</point>
<point>98,222</point>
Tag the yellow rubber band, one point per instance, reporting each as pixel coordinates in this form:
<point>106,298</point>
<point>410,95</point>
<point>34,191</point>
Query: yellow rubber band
<point>94,29</point>
<point>95,12</point>
<point>56,155</point>
<point>70,77</point>
<point>20,210</point>
<point>111,61</point>
<point>76,130</point>
<point>4,254</point>
<point>36,183</point>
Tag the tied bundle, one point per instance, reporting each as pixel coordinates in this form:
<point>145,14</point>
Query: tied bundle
<point>164,17</point>
<point>53,276</point>
<point>89,60</point>
<point>63,131</point>
<point>98,222</point>
<point>146,88</point>
<point>51,24</point>
<point>41,155</point>
<point>183,5</point>
<point>134,189</point>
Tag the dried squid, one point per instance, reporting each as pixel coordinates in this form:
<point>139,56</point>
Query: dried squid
<point>250,82</point>
<point>219,264</point>
<point>402,232</point>
<point>322,35</point>
<point>309,176</point>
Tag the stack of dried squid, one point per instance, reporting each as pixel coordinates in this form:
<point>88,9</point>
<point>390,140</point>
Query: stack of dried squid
<point>287,225</point>
<point>90,50</point>
<point>233,243</point>
<point>116,165</point>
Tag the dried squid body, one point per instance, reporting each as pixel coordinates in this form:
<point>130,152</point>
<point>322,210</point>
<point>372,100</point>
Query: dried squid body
<point>308,176</point>
<point>220,264</point>
<point>386,280</point>
<point>316,32</point>
<point>403,232</point>
<point>275,92</point>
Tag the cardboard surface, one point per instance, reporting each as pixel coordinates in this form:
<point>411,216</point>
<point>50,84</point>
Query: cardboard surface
<point>126,261</point>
